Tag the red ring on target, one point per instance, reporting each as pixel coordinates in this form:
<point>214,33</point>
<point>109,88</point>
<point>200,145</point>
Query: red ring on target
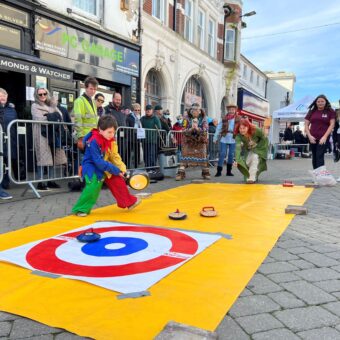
<point>181,243</point>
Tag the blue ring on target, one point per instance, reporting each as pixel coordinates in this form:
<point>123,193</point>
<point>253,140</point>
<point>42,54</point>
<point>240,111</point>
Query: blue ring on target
<point>131,245</point>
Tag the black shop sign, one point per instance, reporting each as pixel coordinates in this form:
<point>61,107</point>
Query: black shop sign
<point>35,69</point>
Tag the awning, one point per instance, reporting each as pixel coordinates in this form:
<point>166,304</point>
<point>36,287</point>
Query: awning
<point>24,63</point>
<point>252,115</point>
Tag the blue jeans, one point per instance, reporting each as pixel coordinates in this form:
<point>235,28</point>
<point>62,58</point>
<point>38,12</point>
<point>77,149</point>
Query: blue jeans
<point>224,148</point>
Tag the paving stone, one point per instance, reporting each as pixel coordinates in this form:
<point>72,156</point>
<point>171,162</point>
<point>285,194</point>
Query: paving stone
<point>319,259</point>
<point>333,307</point>
<point>40,337</point>
<point>286,300</point>
<point>246,292</point>
<point>325,248</point>
<point>5,328</point>
<point>337,268</point>
<point>269,259</point>
<point>254,304</point>
<point>308,292</point>
<point>325,333</point>
<point>28,328</point>
<point>335,255</point>
<point>329,286</point>
<point>8,317</point>
<point>68,336</point>
<point>302,264</point>
<point>258,323</point>
<point>282,255</point>
<point>291,244</point>
<point>305,318</point>
<point>277,267</point>
<point>174,330</point>
<point>318,274</point>
<point>228,329</point>
<point>259,284</point>
<point>299,250</point>
<point>284,277</point>
<point>277,334</point>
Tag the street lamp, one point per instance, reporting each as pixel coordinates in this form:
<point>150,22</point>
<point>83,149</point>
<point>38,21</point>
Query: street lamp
<point>249,14</point>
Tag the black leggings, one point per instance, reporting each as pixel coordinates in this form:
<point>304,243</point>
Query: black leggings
<point>318,154</point>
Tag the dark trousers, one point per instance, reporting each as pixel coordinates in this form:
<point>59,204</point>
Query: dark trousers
<point>150,154</point>
<point>135,150</point>
<point>318,154</point>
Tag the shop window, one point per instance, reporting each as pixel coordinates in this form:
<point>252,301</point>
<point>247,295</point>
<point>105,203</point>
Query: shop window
<point>229,44</point>
<point>158,9</point>
<point>193,93</point>
<point>153,91</point>
<point>201,29</point>
<point>188,24</point>
<point>88,7</point>
<point>211,38</point>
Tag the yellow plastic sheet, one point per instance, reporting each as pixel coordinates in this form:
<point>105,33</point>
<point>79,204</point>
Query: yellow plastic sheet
<point>198,294</point>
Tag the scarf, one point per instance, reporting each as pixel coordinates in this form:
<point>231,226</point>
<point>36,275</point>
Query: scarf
<point>103,143</point>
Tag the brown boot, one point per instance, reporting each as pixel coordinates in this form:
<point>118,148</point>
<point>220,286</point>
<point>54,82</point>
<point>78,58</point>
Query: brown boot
<point>180,175</point>
<point>205,173</point>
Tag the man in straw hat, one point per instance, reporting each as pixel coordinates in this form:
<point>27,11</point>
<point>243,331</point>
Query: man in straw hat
<point>224,133</point>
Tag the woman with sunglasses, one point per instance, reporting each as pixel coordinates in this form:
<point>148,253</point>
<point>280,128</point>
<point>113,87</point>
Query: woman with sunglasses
<point>99,99</point>
<point>45,157</point>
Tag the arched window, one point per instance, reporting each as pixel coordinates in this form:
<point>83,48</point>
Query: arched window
<point>193,93</point>
<point>153,89</point>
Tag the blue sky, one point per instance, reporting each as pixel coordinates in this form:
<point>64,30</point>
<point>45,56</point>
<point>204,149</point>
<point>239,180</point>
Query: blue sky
<point>313,54</point>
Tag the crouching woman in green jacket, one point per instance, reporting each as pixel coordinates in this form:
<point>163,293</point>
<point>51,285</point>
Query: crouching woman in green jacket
<point>251,150</point>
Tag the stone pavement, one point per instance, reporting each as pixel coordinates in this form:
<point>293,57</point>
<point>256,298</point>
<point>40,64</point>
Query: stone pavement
<point>295,294</point>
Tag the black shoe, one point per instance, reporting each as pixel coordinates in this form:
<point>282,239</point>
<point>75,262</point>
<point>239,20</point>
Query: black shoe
<point>42,186</point>
<point>53,185</point>
<point>229,167</point>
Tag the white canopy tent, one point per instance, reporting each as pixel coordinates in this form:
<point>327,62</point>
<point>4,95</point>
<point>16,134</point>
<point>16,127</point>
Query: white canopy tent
<point>295,112</point>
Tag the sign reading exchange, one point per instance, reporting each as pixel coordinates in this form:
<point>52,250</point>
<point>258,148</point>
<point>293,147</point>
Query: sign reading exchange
<point>55,38</point>
<point>39,70</point>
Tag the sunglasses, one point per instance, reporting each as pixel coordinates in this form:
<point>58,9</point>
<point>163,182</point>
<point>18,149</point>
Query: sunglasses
<point>137,110</point>
<point>100,100</point>
<point>42,94</point>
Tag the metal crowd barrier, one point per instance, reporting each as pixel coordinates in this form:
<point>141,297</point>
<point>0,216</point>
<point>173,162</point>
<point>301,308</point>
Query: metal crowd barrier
<point>139,148</point>
<point>1,154</point>
<point>40,151</point>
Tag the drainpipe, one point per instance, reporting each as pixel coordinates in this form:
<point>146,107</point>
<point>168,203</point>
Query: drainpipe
<point>174,14</point>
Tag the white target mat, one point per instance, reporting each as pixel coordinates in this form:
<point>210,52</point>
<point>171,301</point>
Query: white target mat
<point>128,258</point>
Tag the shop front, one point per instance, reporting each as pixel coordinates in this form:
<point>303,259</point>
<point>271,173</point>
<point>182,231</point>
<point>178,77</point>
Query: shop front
<point>116,66</point>
<point>63,55</point>
<point>253,107</point>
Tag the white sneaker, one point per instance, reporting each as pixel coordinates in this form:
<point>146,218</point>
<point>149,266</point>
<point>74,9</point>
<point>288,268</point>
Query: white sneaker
<point>139,201</point>
<point>81,214</point>
<point>338,180</point>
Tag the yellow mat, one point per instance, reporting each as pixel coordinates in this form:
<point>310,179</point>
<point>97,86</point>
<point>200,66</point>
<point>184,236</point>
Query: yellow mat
<point>198,294</point>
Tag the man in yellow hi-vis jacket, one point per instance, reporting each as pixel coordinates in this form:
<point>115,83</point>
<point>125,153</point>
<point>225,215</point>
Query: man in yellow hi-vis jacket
<point>85,109</point>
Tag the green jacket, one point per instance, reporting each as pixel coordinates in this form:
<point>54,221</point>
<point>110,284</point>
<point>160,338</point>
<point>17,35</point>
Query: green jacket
<point>85,115</point>
<point>260,148</point>
<point>151,122</point>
